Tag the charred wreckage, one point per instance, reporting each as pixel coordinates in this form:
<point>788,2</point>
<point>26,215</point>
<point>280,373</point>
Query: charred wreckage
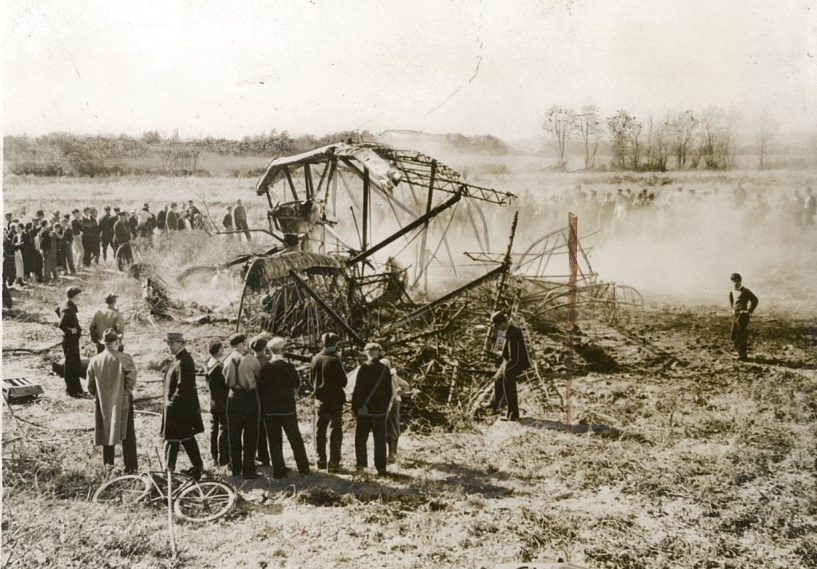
<point>365,236</point>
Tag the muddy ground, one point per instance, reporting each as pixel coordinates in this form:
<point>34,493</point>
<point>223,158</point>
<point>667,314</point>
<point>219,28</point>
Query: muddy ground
<point>680,456</point>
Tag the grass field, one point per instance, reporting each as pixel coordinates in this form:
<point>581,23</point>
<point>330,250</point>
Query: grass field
<point>703,462</point>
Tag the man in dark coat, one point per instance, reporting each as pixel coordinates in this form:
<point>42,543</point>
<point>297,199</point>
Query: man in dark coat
<point>743,302</point>
<point>71,330</point>
<point>48,250</point>
<point>277,384</point>
<point>121,239</point>
<point>328,380</point>
<point>172,218</point>
<point>240,219</point>
<point>370,406</point>
<point>516,359</point>
<point>227,222</point>
<point>181,421</point>
<point>106,231</point>
<point>67,245</point>
<point>214,373</point>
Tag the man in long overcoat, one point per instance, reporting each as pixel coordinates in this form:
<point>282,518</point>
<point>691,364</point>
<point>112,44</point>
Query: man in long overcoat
<point>111,379</point>
<point>181,420</point>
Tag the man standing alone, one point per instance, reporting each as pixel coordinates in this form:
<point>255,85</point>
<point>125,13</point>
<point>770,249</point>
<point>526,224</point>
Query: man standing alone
<point>515,360</point>
<point>111,379</point>
<point>743,303</point>
<point>71,330</point>
<point>328,380</point>
<point>181,421</point>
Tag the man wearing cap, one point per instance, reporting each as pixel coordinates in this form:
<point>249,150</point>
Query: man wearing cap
<point>110,318</point>
<point>106,223</point>
<point>515,360</point>
<point>121,240</point>
<point>71,330</point>
<point>277,385</point>
<point>240,374</point>
<point>370,406</point>
<point>111,379</point>
<point>181,421</point>
<point>90,237</point>
<point>743,302</point>
<point>48,250</point>
<point>328,380</point>
<point>214,373</point>
<point>258,345</point>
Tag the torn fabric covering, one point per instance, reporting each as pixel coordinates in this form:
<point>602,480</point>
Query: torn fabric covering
<point>381,172</point>
<point>267,269</point>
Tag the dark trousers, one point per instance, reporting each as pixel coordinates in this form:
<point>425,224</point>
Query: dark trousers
<point>377,426</point>
<point>128,446</point>
<point>68,260</point>
<point>242,429</point>
<point>219,445</point>
<point>264,446</point>
<point>505,392</point>
<point>275,425</point>
<point>106,242</point>
<point>73,365</point>
<point>740,333</point>
<point>191,447</point>
<point>125,252</point>
<point>333,420</point>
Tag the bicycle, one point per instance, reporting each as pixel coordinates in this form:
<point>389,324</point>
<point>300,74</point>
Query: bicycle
<point>194,500</point>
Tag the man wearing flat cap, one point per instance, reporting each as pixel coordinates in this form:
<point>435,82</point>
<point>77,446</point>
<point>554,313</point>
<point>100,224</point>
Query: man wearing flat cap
<point>515,360</point>
<point>110,318</point>
<point>106,223</point>
<point>328,380</point>
<point>71,332</point>
<point>277,386</point>
<point>370,406</point>
<point>241,370</point>
<point>111,379</point>
<point>181,421</point>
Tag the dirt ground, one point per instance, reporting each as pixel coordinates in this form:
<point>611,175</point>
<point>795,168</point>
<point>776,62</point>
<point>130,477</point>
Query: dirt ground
<point>679,457</point>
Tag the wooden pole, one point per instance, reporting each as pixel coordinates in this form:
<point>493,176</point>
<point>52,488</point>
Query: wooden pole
<point>572,246</point>
<point>364,241</point>
<point>422,259</point>
<point>503,280</point>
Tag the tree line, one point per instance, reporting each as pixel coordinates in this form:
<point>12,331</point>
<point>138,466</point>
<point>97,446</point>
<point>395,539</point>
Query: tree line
<point>686,139</point>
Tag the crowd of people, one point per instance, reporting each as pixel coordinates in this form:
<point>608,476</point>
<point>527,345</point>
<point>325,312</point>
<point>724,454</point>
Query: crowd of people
<point>625,212</point>
<point>253,398</point>
<point>43,248</point>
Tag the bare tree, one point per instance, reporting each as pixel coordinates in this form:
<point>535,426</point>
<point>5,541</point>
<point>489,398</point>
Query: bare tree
<point>765,130</point>
<point>658,145</point>
<point>680,132</point>
<point>590,128</point>
<point>625,130</point>
<point>561,122</point>
<point>717,138</point>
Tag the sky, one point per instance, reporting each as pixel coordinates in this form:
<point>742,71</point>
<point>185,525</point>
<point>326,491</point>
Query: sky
<point>232,69</point>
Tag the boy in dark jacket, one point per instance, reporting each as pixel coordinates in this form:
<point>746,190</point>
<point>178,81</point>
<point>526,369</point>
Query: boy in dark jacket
<point>370,405</point>
<point>277,385</point>
<point>328,380</point>
<point>214,373</point>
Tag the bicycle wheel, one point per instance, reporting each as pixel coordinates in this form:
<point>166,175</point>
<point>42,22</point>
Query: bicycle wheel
<point>205,501</point>
<point>128,489</point>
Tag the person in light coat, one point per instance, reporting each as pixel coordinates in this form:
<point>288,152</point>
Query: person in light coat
<point>398,387</point>
<point>111,379</point>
